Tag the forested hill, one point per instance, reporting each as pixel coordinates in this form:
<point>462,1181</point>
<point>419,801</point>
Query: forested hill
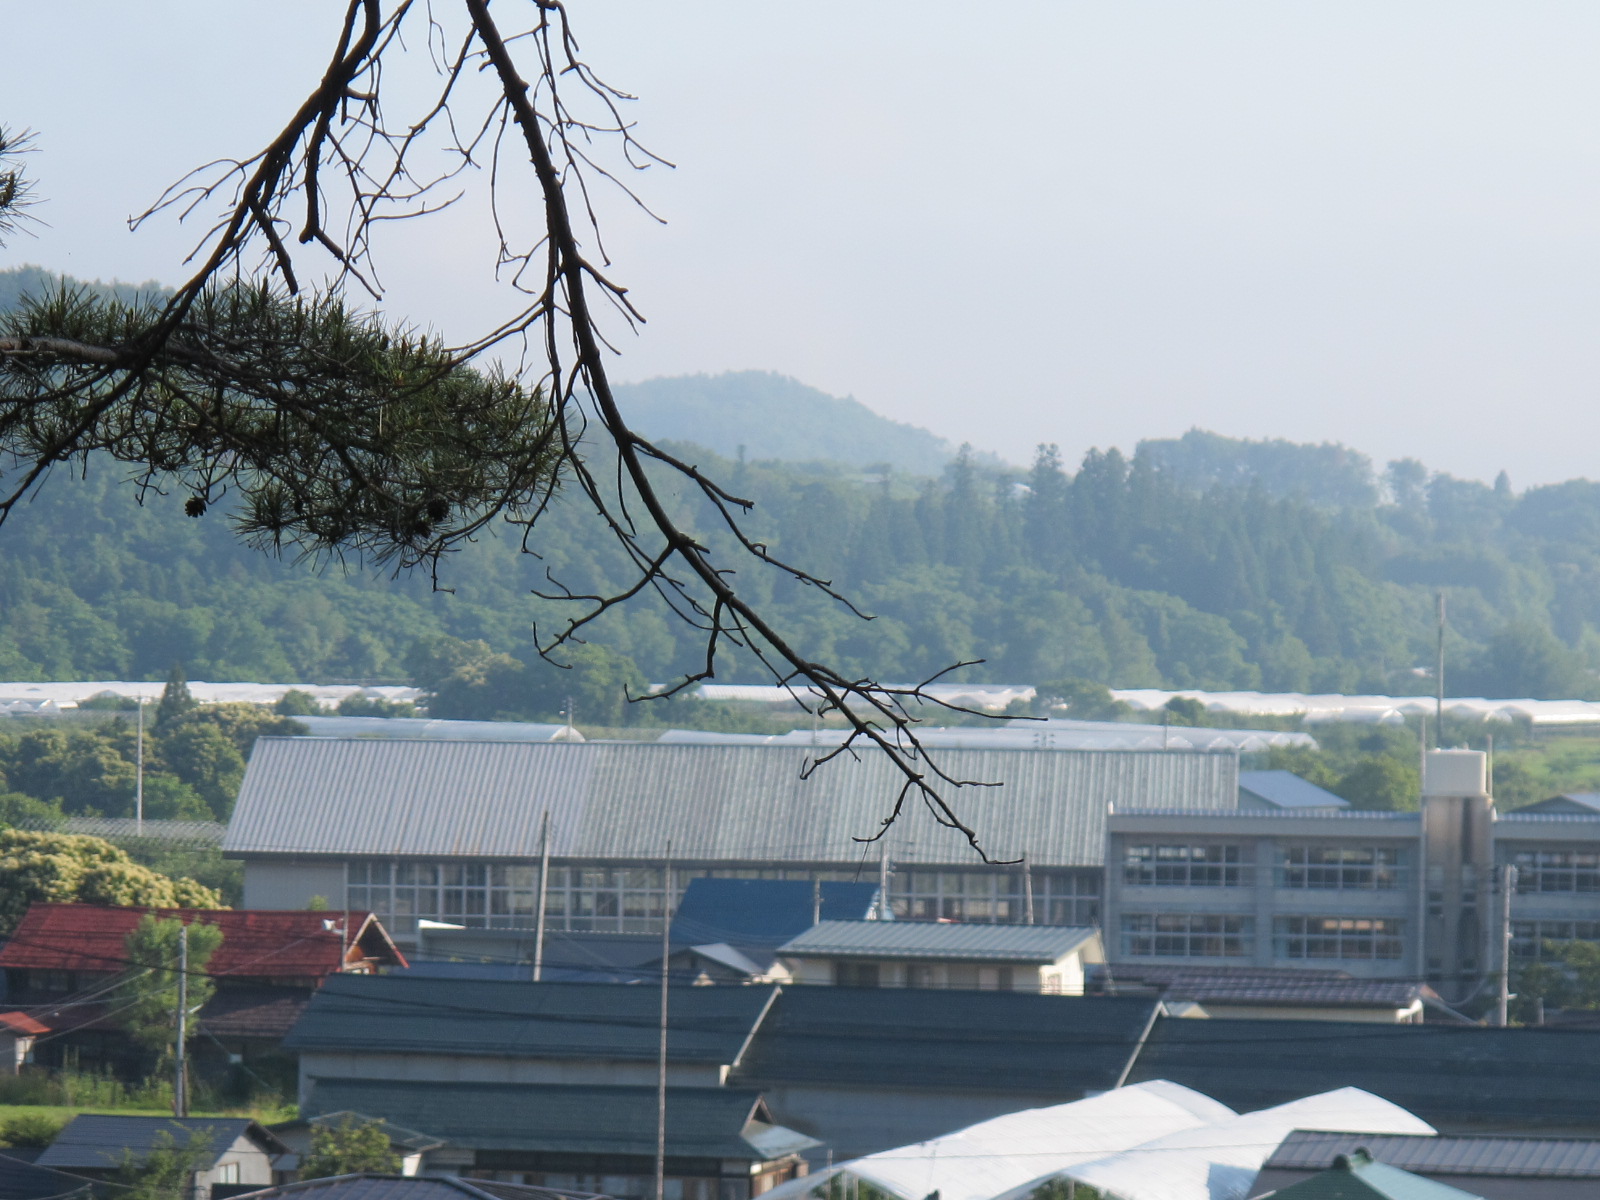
<point>1222,565</point>
<point>768,416</point>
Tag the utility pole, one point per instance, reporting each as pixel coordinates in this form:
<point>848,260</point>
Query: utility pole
<point>138,776</point>
<point>816,899</point>
<point>180,1088</point>
<point>661,1040</point>
<point>1508,885</point>
<point>1438,679</point>
<point>883,882</point>
<point>544,888</point>
<point>1027,891</point>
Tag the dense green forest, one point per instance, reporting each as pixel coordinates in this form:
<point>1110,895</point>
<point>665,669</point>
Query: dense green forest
<point>1199,562</point>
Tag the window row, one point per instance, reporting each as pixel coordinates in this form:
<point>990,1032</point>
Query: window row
<point>1556,871</point>
<point>1212,935</point>
<point>1531,940</point>
<point>631,899</point>
<point>1319,867</point>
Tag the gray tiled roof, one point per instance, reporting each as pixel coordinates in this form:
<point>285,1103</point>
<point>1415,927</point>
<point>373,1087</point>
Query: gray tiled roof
<point>929,939</point>
<point>92,1141</point>
<point>329,796</point>
<point>376,1013</point>
<point>1050,1046</point>
<point>1525,1157</point>
<point>565,1118</point>
<point>1266,985</point>
<point>1450,1076</point>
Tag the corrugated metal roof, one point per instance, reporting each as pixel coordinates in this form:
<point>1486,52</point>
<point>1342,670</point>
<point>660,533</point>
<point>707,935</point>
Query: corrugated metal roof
<point>537,1020</point>
<point>1525,1157</point>
<point>559,1118</point>
<point>713,803</point>
<point>1443,1073</point>
<point>1050,1046</point>
<point>256,943</point>
<point>932,939</point>
<point>1285,789</point>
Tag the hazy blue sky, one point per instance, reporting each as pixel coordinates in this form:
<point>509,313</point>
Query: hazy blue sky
<point>1377,223</point>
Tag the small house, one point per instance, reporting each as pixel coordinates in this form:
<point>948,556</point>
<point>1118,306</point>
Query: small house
<point>234,1154</point>
<point>721,1143</point>
<point>925,954</point>
<point>17,1031</point>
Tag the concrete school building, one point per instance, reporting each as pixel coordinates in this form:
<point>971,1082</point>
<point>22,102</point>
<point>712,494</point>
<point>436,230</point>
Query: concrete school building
<point>1403,895</point>
<point>450,831</point>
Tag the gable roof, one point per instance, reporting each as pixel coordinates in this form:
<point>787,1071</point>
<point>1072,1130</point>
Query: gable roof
<point>1503,1157</point>
<point>1053,1046</point>
<point>21,1180</point>
<point>535,1020</point>
<point>1448,1075</point>
<point>763,912</point>
<point>20,1024</point>
<point>348,797</point>
<point>102,1142</point>
<point>1356,1176</point>
<point>1285,789</point>
<point>565,1118</point>
<point>373,1186</point>
<point>1580,803</point>
<point>1040,944</point>
<point>256,943</point>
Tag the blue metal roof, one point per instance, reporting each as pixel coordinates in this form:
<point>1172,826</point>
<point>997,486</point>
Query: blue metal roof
<point>763,912</point>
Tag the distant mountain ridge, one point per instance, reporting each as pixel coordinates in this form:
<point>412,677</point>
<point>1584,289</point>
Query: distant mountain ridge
<point>772,417</point>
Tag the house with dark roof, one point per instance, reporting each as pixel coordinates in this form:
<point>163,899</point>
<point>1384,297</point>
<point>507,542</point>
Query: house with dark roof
<point>234,1152</point>
<point>373,1186</point>
<point>408,1145</point>
<point>1460,1079</point>
<point>266,967</point>
<point>721,1143</point>
<point>859,1069</point>
<point>1050,959</point>
<point>417,1030</point>
<point>868,1069</point>
<point>1496,1168</point>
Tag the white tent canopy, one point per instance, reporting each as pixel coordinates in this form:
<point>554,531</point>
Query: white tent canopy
<point>997,1155</point>
<point>1151,1141</point>
<point>1221,1161</point>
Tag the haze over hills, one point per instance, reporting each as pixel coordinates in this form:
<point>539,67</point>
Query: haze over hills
<point>768,416</point>
<point>1201,561</point>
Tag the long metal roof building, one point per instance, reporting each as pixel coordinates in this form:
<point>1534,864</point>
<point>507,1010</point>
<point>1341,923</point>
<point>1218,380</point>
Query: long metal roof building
<point>618,800</point>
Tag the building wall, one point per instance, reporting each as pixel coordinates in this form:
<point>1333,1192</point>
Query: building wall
<point>291,883</point>
<point>244,1162</point>
<point>1065,977</point>
<point>1280,891</point>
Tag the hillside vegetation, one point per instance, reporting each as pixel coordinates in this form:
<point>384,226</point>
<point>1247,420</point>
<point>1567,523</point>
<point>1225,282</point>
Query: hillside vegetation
<point>1202,562</point>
